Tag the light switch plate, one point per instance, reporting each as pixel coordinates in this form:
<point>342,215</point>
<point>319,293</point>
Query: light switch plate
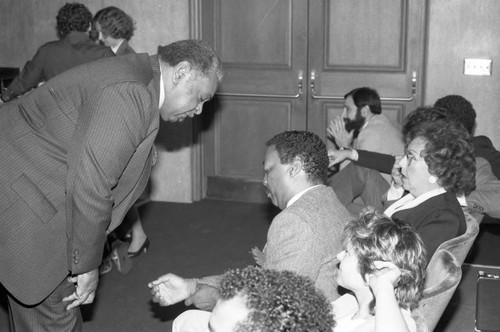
<point>481,67</point>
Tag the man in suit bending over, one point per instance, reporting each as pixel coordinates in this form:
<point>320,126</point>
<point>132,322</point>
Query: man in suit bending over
<point>304,237</point>
<point>75,155</point>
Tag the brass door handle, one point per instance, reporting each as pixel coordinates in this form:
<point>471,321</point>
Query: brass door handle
<point>413,90</point>
<point>300,79</point>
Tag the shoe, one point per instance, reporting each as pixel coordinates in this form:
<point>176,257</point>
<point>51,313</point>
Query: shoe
<point>106,266</point>
<point>121,259</point>
<point>143,249</point>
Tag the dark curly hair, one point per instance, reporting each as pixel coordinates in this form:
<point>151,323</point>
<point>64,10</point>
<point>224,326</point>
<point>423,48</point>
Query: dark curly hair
<point>306,146</point>
<point>278,301</point>
<point>448,153</point>
<point>73,17</point>
<point>115,22</point>
<point>366,96</point>
<point>459,109</point>
<point>199,54</point>
<point>374,237</point>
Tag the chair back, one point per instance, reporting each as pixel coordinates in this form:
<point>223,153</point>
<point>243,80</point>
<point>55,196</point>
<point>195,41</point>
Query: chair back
<point>443,275</point>
<point>460,245</point>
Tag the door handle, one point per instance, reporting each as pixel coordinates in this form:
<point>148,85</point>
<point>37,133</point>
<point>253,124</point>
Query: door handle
<point>300,80</point>
<point>410,98</point>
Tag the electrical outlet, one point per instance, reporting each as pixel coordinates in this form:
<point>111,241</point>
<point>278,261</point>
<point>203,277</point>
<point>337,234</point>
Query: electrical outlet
<point>481,67</point>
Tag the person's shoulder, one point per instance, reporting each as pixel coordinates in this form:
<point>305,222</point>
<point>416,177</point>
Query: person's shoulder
<point>382,120</point>
<point>320,204</point>
<point>482,141</point>
<point>51,45</point>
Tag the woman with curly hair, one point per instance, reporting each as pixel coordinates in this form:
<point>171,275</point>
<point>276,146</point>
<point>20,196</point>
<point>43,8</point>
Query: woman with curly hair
<point>437,170</point>
<point>383,265</point>
<point>114,28</point>
<point>258,299</point>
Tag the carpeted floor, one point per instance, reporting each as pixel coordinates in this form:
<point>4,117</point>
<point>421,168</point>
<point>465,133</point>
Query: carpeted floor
<point>208,237</point>
<point>191,240</point>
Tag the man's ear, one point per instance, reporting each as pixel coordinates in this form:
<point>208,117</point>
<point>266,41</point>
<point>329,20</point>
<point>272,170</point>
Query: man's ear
<point>295,167</point>
<point>365,111</point>
<point>182,70</point>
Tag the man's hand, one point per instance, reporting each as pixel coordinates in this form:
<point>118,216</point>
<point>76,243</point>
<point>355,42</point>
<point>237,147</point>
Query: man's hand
<point>86,285</point>
<point>170,289</point>
<point>338,156</point>
<point>336,131</point>
<point>205,297</point>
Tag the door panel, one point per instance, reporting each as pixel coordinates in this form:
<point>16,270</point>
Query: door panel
<point>263,47</point>
<point>288,64</point>
<point>364,43</point>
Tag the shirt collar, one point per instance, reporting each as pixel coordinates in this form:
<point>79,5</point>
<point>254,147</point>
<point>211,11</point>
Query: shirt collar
<point>117,46</point>
<point>409,201</point>
<point>299,195</point>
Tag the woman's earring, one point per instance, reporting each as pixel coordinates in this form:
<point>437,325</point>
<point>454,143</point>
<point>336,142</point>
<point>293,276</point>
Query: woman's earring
<point>432,179</point>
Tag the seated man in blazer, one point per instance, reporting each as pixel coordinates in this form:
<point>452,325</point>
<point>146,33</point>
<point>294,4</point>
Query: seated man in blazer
<point>304,237</point>
<point>76,153</point>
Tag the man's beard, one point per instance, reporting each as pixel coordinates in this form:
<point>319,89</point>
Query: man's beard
<point>356,124</point>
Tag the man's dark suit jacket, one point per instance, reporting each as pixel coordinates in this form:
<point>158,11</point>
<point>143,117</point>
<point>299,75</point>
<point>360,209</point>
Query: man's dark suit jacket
<point>75,154</point>
<point>55,57</point>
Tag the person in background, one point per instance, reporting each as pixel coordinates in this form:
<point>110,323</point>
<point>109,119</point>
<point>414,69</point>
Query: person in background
<point>114,28</point>
<point>257,299</point>
<point>363,126</point>
<point>72,49</point>
<point>383,266</point>
<point>79,153</point>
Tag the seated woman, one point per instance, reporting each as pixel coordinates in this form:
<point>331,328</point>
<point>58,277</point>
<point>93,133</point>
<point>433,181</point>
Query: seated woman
<point>383,265</point>
<point>438,167</point>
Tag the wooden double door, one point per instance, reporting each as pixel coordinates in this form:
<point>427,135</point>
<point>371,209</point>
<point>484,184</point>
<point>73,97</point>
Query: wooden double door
<point>288,64</point>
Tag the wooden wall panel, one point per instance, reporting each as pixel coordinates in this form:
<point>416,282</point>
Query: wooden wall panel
<point>242,128</point>
<point>364,34</point>
<point>258,32</point>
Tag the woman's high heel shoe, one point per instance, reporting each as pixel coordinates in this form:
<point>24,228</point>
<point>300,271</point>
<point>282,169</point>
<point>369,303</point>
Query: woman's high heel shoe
<point>143,249</point>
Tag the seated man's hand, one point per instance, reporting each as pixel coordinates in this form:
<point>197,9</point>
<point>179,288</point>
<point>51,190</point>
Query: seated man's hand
<point>205,297</point>
<point>338,156</point>
<point>170,289</point>
<point>336,131</point>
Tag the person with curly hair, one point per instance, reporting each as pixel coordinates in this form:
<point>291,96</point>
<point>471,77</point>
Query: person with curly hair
<point>72,49</point>
<point>114,28</point>
<point>304,237</point>
<point>462,111</point>
<point>383,265</point>
<point>257,299</point>
<point>437,170</point>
